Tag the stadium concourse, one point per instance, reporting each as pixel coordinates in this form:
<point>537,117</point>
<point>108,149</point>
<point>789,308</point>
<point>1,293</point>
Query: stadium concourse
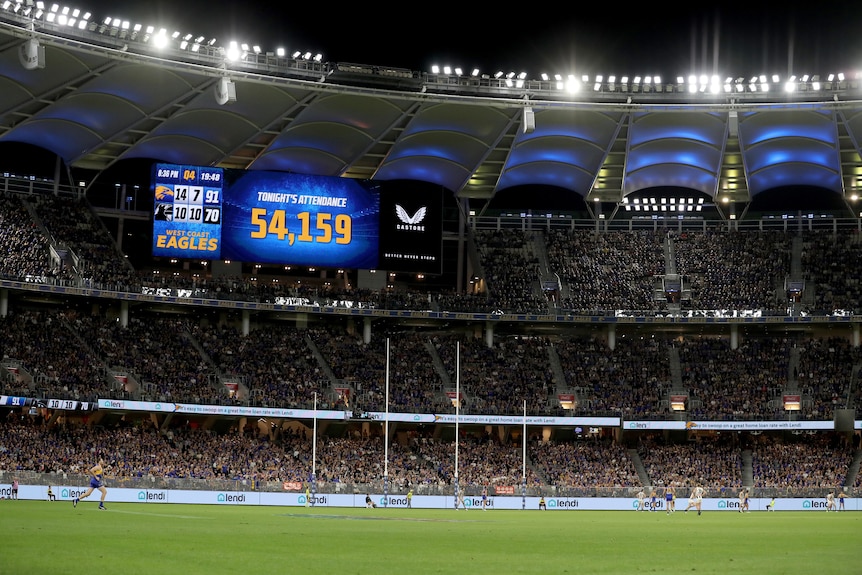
<point>689,301</point>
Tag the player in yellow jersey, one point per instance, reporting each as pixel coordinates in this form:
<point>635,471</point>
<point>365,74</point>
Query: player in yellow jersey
<point>97,482</point>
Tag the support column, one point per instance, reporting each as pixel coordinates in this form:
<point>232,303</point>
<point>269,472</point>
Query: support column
<point>4,303</point>
<point>489,334</point>
<point>366,330</point>
<point>124,314</point>
<point>612,337</point>
<point>855,336</point>
<point>734,336</point>
<point>246,322</point>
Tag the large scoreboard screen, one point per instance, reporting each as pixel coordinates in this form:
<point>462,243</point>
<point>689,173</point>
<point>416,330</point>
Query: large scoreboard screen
<point>284,218</point>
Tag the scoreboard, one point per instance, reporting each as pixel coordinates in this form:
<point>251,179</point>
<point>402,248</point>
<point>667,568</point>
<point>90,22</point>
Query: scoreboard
<point>187,214</point>
<point>285,218</point>
<point>47,403</point>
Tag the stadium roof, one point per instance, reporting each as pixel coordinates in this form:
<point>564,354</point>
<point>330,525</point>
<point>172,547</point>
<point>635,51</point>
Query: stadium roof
<point>99,100</point>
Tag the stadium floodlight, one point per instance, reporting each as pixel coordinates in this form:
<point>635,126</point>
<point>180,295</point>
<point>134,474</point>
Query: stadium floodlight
<point>498,74</point>
<point>775,79</point>
<point>307,56</point>
<point>160,40</point>
<point>318,57</point>
<point>233,51</point>
<point>475,72</point>
<point>544,77</point>
<point>459,72</point>
<point>280,52</point>
<point>297,54</point>
<point>6,4</point>
<point>790,86</point>
<point>435,69</point>
<point>447,70</point>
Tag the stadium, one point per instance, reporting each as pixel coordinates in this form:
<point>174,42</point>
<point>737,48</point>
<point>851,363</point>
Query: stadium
<point>441,283</point>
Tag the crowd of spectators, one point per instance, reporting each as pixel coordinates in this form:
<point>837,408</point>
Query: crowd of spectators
<point>24,247</point>
<point>584,464</point>
<point>631,379</point>
<point>726,384</point>
<point>709,462</point>
<point>157,351</point>
<point>825,374</point>
<point>48,359</point>
<point>74,225</point>
<point>512,271</point>
<point>597,271</point>
<point>272,364</point>
<point>735,271</point>
<point>824,263</point>
<point>71,354</point>
<point>807,461</point>
<point>499,379</point>
<point>606,271</point>
<point>271,454</point>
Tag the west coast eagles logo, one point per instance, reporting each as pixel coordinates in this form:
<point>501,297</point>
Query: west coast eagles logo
<point>164,193</point>
<point>408,222</point>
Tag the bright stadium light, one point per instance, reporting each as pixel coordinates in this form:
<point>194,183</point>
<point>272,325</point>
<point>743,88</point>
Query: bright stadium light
<point>233,51</point>
<point>160,40</point>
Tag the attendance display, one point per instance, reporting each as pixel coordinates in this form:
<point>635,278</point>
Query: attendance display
<point>283,218</point>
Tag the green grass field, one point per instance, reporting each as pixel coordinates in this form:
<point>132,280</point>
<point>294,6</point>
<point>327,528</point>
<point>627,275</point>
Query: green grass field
<point>44,538</point>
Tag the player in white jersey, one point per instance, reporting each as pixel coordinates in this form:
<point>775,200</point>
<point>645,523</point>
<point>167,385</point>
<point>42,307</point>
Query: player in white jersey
<point>695,499</point>
<point>641,500</point>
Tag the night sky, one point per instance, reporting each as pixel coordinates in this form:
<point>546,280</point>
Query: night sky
<point>660,38</point>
